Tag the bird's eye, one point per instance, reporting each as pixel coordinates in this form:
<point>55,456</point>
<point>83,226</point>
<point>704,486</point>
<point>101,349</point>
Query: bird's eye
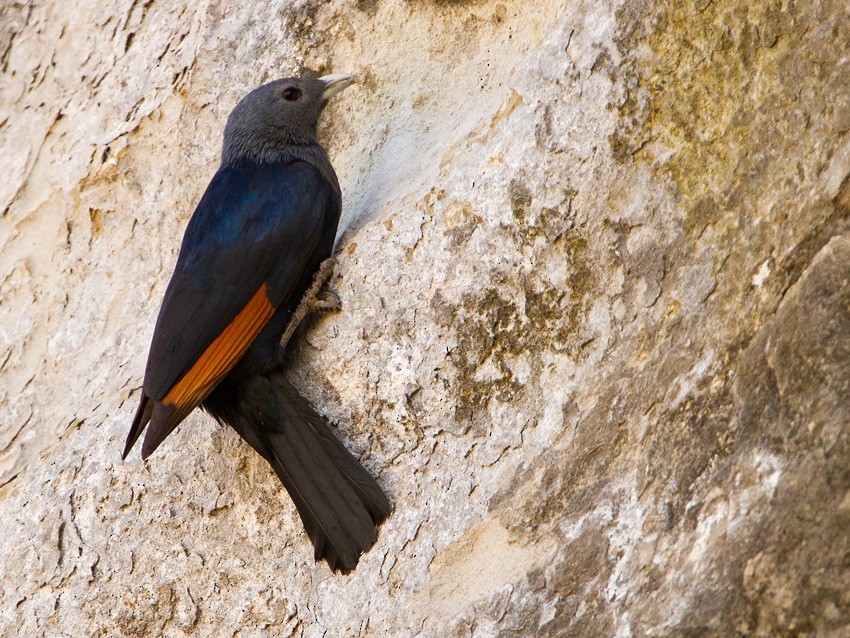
<point>291,93</point>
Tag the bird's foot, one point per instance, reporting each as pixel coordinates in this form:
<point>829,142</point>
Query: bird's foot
<point>314,300</point>
<point>320,300</point>
<point>327,301</point>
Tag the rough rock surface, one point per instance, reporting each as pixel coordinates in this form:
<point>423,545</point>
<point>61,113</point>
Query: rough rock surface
<point>596,328</point>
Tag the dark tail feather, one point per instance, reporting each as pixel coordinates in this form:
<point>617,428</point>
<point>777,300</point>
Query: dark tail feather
<point>340,503</point>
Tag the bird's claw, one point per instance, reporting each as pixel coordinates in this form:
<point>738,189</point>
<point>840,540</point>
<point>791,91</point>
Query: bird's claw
<point>314,300</point>
<point>327,301</point>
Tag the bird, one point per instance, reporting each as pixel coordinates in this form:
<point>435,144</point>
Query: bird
<point>265,225</point>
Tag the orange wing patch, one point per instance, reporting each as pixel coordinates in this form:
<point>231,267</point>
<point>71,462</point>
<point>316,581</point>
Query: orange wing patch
<point>222,354</point>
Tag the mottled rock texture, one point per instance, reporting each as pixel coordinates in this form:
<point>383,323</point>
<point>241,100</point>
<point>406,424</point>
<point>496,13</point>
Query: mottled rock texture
<point>596,328</point>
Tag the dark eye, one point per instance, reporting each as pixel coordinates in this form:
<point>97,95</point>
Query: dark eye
<point>291,93</point>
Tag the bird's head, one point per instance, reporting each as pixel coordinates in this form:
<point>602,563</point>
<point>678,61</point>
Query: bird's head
<point>279,114</point>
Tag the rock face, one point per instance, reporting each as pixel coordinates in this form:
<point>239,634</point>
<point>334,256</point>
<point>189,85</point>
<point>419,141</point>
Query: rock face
<point>596,331</point>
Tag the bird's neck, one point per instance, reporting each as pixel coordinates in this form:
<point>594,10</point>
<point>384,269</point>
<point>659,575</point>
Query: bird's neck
<point>311,153</point>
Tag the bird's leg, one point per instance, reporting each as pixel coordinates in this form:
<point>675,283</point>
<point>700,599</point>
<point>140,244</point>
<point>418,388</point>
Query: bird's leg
<point>314,300</point>
<point>322,300</point>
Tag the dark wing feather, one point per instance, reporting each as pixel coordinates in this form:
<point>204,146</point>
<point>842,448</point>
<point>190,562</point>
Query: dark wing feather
<point>256,225</point>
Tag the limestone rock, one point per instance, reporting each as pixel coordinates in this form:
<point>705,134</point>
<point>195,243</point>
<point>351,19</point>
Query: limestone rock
<point>595,340</point>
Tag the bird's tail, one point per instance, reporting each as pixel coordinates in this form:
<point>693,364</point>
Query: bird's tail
<point>340,503</point>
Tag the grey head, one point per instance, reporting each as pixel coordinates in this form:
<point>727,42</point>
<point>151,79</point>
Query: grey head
<point>278,120</point>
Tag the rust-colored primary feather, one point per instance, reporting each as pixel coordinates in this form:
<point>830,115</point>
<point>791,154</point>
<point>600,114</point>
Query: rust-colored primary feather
<point>210,368</point>
<point>223,353</point>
